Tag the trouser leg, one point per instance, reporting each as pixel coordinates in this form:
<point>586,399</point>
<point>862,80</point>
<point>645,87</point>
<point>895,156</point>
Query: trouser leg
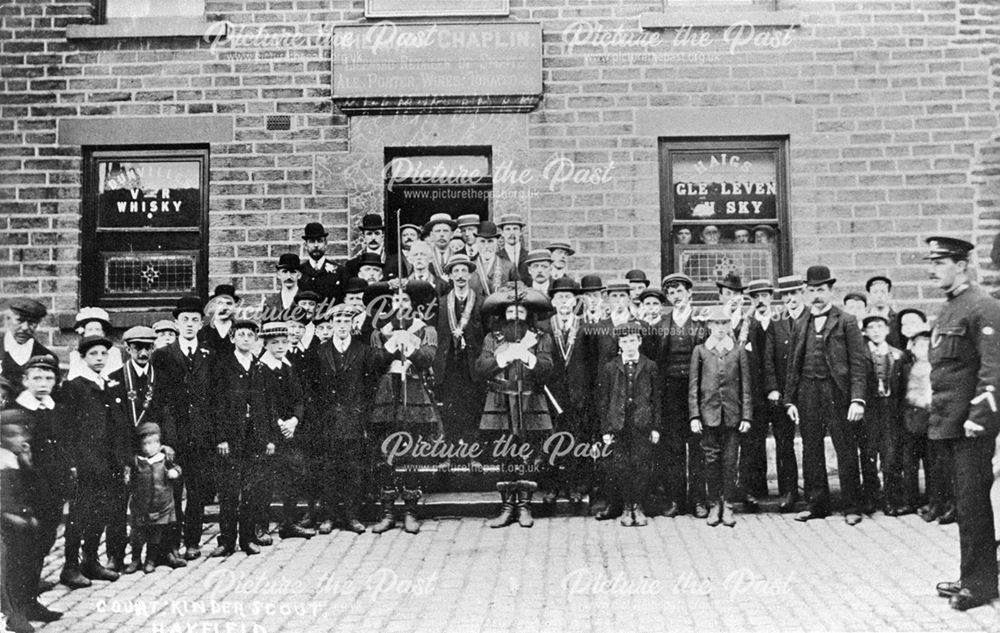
<point>977,539</point>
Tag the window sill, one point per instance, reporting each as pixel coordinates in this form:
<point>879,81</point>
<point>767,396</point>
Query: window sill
<point>193,27</point>
<point>699,18</point>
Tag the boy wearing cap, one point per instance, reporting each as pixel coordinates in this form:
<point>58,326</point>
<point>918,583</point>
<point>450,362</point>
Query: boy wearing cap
<point>881,428</point>
<point>348,369</point>
<point>95,452</point>
<point>220,314</point>
<point>680,466</point>
<point>278,306</point>
<point>914,447</point>
<point>318,273</point>
<point>281,409</point>
<point>240,441</point>
<point>720,400</point>
<point>460,337</point>
<point>93,322</point>
<point>630,400</point>
<point>53,473</point>
<point>879,289</point>
<point>152,476</point>
<point>133,399</point>
<point>18,525</point>
<point>856,304</point>
<point>965,376</point>
<point>166,333</point>
<point>21,319</point>
<point>825,393</point>
<point>183,373</point>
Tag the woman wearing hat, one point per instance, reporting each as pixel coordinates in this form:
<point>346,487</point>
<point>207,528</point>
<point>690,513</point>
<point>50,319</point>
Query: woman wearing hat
<point>515,362</point>
<point>93,322</point>
<point>402,403</point>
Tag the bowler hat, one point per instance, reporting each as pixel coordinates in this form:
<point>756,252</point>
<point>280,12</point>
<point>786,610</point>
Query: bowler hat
<point>760,285</point>
<point>770,230</point>
<point>677,278</point>
<point>468,219</point>
<point>876,279</point>
<point>564,284</point>
<point>43,361</point>
<point>29,309</point>
<point>314,231</point>
<point>459,259</point>
<point>166,325</point>
<point>592,283</point>
<point>510,218</point>
<point>532,300</point>
<point>246,324</point>
<point>92,341</point>
<point>488,230</point>
<point>226,290</point>
<point>344,309</point>
<point>370,259</point>
<point>188,303</point>
<point>139,334</point>
<point>307,295</point>
<point>948,247</point>
<point>653,292</point>
<point>637,276</point>
<point>288,261</point>
<point>537,255</point>
<point>355,285</point>
<point>731,281</point>
<point>439,218</point>
<point>372,222</point>
<point>819,275</point>
<point>86,315</point>
<point>564,246</point>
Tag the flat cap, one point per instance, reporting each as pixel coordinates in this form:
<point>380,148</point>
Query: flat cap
<point>139,334</point>
<point>29,308</point>
<point>166,325</point>
<point>677,278</point>
<point>44,361</point>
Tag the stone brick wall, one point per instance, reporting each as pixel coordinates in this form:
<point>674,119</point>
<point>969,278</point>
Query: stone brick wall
<point>900,98</point>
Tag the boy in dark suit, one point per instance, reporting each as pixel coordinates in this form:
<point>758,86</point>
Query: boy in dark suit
<point>95,453</point>
<point>630,400</point>
<point>720,399</point>
<point>184,373</point>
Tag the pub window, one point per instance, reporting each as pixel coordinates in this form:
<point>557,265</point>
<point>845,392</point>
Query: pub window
<point>145,226</point>
<point>725,209</point>
<point>105,10</point>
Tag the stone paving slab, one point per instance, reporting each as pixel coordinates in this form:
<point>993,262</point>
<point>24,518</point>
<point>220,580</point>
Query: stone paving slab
<point>567,573</point>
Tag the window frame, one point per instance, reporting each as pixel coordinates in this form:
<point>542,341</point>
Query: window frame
<point>91,273</point>
<point>668,147</point>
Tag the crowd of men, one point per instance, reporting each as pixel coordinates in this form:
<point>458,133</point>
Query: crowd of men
<point>465,350</point>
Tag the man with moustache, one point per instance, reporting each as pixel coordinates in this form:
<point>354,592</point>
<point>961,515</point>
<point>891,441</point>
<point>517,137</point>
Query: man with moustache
<point>965,376</point>
<point>511,225</point>
<point>539,263</point>
<point>825,392</point>
<point>491,271</point>
<point>133,399</point>
<point>220,315</point>
<point>438,232</point>
<point>560,252</point>
<point>422,258</point>
<point>408,234</point>
<point>21,320</point>
<point>778,347</point>
<point>318,273</point>
<point>278,306</point>
<point>460,337</point>
<point>373,238</point>
<point>681,464</point>
<point>468,227</point>
<point>183,372</point>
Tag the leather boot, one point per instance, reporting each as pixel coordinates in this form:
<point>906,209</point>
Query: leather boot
<point>388,520</point>
<point>410,523</point>
<point>524,491</point>
<point>262,534</point>
<point>94,570</point>
<point>728,519</point>
<point>351,520</point>
<point>72,578</point>
<point>639,516</point>
<point>115,564</point>
<point>506,516</point>
<point>714,514</point>
<point>948,516</point>
<point>628,518</point>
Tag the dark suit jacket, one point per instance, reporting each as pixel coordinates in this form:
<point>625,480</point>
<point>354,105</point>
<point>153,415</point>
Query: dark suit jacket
<point>123,420</point>
<point>522,268</point>
<point>719,388</point>
<point>845,355</point>
<point>280,398</point>
<point>209,337</point>
<point>235,394</point>
<point>694,331</point>
<point>897,388</point>
<point>327,282</point>
<point>500,273</point>
<point>186,394</point>
<point>613,397</point>
<point>570,381</point>
<point>778,349</point>
<point>345,394</point>
<point>12,371</point>
<point>473,334</point>
<point>94,449</point>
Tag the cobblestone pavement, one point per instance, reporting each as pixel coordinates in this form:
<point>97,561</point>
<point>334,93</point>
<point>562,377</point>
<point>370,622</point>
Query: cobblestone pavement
<point>770,573</point>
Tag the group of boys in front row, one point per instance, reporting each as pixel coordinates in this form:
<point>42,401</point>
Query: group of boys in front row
<point>305,406</point>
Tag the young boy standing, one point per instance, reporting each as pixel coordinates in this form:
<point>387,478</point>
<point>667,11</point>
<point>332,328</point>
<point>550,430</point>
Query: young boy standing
<point>151,476</point>
<point>720,401</point>
<point>630,400</point>
<point>882,427</point>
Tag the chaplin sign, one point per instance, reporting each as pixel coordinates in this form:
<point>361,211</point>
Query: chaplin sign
<point>398,67</point>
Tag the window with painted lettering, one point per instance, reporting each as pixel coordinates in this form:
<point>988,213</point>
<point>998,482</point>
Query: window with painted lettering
<point>142,9</point>
<point>145,227</point>
<point>724,208</point>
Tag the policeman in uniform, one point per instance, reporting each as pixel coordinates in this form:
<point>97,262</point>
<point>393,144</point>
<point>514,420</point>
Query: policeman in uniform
<point>965,373</point>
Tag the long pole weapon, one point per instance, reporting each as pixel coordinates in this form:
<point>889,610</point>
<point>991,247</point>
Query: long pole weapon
<point>519,376</point>
<point>399,292</point>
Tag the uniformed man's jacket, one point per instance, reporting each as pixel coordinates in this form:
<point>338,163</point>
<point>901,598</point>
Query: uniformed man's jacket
<point>844,353</point>
<point>965,364</point>
<point>636,411</point>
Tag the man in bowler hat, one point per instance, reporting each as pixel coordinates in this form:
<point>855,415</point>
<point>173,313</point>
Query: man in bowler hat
<point>319,274</point>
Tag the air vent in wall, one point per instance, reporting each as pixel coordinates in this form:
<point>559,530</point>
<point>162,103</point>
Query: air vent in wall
<point>279,122</point>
